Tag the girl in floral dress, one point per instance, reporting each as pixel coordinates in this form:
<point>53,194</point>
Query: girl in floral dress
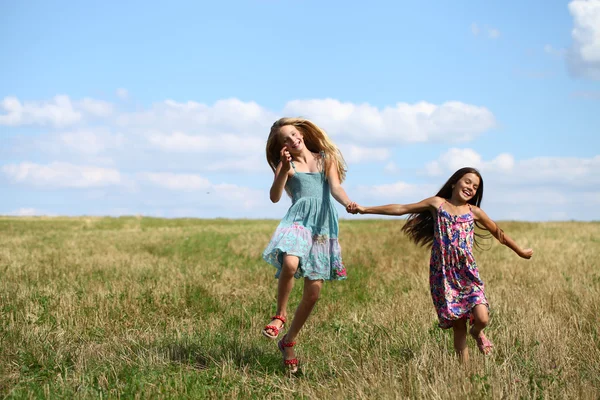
<point>310,168</point>
<point>447,222</point>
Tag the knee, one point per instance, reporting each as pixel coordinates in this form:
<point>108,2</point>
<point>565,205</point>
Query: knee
<point>289,266</point>
<point>482,319</point>
<point>312,298</point>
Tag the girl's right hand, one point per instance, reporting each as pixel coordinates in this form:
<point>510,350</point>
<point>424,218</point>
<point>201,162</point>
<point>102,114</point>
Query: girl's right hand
<point>354,208</point>
<point>527,253</point>
<point>286,159</point>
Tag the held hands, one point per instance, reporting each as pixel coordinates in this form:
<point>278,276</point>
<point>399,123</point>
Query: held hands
<point>526,253</point>
<point>286,159</point>
<point>354,208</point>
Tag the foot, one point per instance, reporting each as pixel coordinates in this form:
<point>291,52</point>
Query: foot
<point>483,344</point>
<point>290,362</point>
<point>275,327</point>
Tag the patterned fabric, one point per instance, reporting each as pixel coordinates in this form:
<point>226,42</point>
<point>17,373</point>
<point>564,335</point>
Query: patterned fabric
<point>309,230</point>
<point>453,276</point>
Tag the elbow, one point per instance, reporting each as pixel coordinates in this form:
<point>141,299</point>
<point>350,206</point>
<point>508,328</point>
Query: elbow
<point>274,198</point>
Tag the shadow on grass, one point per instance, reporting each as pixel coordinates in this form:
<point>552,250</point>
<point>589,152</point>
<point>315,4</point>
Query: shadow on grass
<point>249,358</point>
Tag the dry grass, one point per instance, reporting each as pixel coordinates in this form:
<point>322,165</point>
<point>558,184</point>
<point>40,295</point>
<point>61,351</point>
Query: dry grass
<point>142,308</point>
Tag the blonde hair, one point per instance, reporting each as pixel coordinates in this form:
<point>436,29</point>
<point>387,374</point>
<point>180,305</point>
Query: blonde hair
<point>315,140</point>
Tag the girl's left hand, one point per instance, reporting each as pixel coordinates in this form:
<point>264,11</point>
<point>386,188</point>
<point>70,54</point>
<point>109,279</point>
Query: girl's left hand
<point>351,208</point>
<point>354,208</point>
<point>527,253</point>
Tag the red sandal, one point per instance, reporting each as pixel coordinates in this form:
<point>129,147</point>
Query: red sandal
<point>483,344</point>
<point>292,364</point>
<point>274,328</point>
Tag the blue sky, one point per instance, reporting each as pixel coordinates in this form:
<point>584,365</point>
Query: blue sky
<point>164,109</point>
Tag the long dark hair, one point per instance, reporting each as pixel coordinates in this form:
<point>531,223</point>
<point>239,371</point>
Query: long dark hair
<point>419,226</point>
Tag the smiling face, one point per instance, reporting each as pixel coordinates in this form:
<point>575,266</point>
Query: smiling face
<point>291,137</point>
<point>466,187</point>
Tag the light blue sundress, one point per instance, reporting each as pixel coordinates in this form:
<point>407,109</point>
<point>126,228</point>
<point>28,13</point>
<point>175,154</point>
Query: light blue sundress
<point>309,230</point>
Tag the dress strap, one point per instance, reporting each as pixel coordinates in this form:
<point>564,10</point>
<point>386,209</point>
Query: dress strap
<point>293,165</point>
<point>322,162</point>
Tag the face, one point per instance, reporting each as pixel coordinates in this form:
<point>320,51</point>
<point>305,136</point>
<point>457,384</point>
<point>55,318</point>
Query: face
<point>291,137</point>
<point>466,187</point>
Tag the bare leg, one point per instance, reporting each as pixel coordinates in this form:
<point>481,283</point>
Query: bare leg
<point>310,295</point>
<point>460,340</point>
<point>284,288</point>
<point>480,320</point>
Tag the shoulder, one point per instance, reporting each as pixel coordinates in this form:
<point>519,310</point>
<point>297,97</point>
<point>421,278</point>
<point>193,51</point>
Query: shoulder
<point>478,213</point>
<point>436,201</point>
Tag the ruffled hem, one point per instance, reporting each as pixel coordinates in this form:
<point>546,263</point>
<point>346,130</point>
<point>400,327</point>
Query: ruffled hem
<point>449,314</point>
<point>320,256</point>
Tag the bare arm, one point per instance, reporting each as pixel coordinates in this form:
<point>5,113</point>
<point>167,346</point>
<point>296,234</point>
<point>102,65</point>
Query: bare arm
<point>337,191</point>
<point>281,176</point>
<point>429,204</point>
<point>499,234</point>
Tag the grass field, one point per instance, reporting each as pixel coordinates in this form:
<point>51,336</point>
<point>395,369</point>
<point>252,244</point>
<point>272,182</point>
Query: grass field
<point>152,308</point>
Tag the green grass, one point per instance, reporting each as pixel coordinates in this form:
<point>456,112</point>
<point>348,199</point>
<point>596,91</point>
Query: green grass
<point>152,308</point>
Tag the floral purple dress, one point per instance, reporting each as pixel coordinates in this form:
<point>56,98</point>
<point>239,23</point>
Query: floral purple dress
<point>453,276</point>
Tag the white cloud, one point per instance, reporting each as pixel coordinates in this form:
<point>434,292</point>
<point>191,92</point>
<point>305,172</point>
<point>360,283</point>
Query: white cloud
<point>252,163</point>
<point>502,162</point>
<point>391,168</point>
<point>61,175</point>
<point>452,160</point>
<point>26,212</point>
<point>231,128</point>
<point>572,171</point>
<point>392,189</point>
<point>357,154</point>
<point>96,108</point>
<point>579,172</point>
<point>419,122</point>
<point>224,143</point>
<point>456,158</point>
<point>393,193</point>
<point>185,182</point>
<point>505,200</point>
<point>559,53</point>
<point>222,195</point>
<point>229,116</point>
<point>586,94</point>
<point>241,196</point>
<point>59,111</point>
<point>493,33</point>
<point>123,94</point>
<point>90,142</point>
<point>536,189</point>
<point>584,55</point>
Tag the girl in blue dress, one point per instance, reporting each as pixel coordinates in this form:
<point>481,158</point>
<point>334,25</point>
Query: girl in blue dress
<point>310,168</point>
